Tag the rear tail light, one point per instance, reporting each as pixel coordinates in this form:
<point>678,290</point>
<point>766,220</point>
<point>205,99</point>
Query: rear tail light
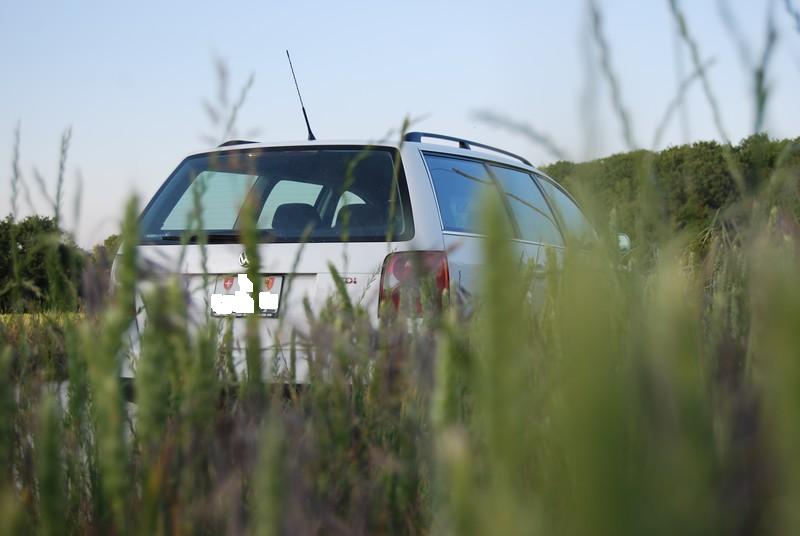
<point>411,279</point>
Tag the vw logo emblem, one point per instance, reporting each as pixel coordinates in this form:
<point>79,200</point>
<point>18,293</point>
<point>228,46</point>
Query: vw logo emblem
<point>243,258</point>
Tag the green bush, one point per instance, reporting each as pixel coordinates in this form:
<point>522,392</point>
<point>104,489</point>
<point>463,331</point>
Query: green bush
<point>40,266</point>
<point>693,183</point>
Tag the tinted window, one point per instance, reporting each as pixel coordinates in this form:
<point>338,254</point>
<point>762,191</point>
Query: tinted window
<point>287,192</point>
<point>219,195</point>
<point>461,186</point>
<point>348,199</point>
<point>292,191</point>
<point>575,223</point>
<point>530,210</point>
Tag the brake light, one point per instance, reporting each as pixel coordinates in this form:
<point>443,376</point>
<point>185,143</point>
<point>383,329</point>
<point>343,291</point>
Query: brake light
<point>409,275</point>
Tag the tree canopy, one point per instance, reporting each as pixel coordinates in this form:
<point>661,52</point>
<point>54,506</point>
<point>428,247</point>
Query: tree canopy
<point>40,266</point>
<point>690,184</point>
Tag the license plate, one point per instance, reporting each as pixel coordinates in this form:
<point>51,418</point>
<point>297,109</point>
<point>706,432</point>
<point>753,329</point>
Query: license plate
<point>234,296</point>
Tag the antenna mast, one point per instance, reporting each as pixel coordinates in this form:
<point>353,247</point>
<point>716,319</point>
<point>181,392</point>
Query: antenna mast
<point>302,106</point>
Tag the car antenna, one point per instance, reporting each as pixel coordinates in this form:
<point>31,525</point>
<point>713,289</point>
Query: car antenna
<point>302,106</point>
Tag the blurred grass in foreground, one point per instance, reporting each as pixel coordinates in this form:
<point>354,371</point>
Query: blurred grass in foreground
<point>658,397</point>
<point>628,402</point>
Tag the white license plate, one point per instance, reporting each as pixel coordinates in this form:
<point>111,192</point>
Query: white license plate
<point>234,296</point>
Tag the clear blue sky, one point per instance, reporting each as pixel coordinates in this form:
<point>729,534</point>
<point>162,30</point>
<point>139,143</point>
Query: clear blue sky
<point>130,79</point>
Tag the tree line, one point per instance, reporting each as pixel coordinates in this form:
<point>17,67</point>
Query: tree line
<point>689,186</point>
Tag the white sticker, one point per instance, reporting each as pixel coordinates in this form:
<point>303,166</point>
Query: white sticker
<point>267,301</point>
<point>240,302</point>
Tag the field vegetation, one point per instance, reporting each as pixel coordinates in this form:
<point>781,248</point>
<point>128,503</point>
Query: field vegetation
<point>651,393</point>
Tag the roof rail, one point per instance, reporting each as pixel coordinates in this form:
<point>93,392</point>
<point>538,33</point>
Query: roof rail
<point>235,142</point>
<point>462,143</point>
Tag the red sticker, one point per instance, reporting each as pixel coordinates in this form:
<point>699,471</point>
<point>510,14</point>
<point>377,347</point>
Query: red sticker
<point>269,282</point>
<point>228,282</point>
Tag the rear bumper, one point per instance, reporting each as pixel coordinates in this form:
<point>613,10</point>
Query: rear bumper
<point>279,364</point>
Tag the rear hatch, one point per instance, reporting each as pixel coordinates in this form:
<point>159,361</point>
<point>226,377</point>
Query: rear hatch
<point>312,208</point>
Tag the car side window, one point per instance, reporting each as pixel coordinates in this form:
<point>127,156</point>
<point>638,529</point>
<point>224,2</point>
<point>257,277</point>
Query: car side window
<point>461,187</point>
<point>347,199</point>
<point>576,224</point>
<point>534,218</point>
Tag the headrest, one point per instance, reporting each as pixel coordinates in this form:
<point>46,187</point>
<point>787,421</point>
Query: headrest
<point>361,215</point>
<point>294,217</point>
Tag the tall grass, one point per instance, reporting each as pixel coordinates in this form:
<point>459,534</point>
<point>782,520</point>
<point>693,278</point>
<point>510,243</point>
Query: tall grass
<point>606,398</point>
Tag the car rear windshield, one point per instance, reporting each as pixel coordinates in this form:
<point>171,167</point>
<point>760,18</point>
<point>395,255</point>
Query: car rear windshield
<point>320,195</point>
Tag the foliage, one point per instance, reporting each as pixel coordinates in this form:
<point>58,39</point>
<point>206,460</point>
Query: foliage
<point>605,398</point>
<point>38,340</point>
<point>43,269</point>
<point>694,182</point>
<point>103,253</point>
<point>625,401</point>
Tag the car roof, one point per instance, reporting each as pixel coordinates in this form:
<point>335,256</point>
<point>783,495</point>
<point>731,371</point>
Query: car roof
<point>442,148</point>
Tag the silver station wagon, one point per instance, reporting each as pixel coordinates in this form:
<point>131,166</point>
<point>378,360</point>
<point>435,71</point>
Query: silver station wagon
<point>379,214</point>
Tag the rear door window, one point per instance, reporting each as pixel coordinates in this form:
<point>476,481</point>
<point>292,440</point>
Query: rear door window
<point>461,187</point>
<point>575,223</point>
<point>535,221</point>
